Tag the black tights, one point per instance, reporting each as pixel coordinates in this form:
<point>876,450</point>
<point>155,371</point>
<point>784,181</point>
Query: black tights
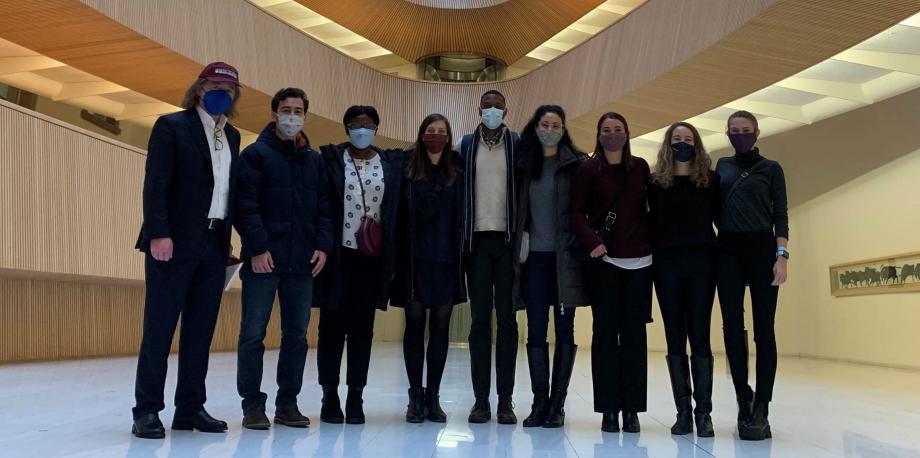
<point>414,343</point>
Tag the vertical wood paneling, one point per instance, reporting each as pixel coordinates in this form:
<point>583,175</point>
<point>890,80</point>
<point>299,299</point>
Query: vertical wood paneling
<point>49,319</point>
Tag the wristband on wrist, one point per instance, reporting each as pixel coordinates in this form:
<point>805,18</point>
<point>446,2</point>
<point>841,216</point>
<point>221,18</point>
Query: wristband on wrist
<point>782,251</point>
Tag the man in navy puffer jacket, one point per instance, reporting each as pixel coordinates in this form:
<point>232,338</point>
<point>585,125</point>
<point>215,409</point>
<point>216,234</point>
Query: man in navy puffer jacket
<point>283,217</point>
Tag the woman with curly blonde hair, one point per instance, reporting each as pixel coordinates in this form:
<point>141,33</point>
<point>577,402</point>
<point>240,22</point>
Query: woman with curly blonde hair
<point>684,203</point>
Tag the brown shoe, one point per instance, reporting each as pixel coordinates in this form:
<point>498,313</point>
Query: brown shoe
<point>255,419</point>
<point>291,416</point>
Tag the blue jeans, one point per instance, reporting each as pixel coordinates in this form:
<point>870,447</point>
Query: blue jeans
<point>541,291</point>
<point>295,293</point>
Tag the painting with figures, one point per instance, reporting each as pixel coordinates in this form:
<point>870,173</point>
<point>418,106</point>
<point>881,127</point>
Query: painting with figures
<point>892,274</point>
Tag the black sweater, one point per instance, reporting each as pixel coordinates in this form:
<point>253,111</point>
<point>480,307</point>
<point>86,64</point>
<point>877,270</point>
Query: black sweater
<point>683,214</point>
<point>759,203</point>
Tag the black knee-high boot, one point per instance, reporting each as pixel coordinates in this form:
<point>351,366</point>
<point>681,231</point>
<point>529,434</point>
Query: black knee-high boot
<point>563,364</point>
<point>679,370</point>
<point>701,369</point>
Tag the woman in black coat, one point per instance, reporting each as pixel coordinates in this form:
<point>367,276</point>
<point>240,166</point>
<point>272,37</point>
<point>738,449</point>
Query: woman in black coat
<point>547,272</point>
<point>429,275</point>
<point>354,284</point>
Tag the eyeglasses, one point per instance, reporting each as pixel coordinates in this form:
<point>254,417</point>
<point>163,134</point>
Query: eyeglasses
<point>218,139</point>
<point>609,222</point>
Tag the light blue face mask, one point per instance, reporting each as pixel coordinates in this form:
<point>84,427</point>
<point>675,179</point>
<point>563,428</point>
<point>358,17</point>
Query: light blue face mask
<point>362,137</point>
<point>492,117</point>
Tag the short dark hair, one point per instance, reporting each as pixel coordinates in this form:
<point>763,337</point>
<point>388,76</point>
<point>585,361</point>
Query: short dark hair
<point>357,110</point>
<point>289,93</point>
<point>493,92</point>
<point>745,115</point>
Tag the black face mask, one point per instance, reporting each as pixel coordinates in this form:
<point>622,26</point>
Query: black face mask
<point>683,152</point>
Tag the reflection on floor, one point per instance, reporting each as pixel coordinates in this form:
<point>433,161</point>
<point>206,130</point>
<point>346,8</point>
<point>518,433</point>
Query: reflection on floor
<point>821,409</point>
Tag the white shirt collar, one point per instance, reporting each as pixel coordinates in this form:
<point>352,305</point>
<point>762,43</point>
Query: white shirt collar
<point>208,121</point>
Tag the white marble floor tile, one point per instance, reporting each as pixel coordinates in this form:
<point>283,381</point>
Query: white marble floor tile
<point>820,409</point>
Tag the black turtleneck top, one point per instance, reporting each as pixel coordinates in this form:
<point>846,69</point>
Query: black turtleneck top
<point>759,202</point>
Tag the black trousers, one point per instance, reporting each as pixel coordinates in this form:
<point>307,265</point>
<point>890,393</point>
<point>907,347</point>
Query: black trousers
<point>490,277</point>
<point>295,295</point>
<point>747,259</point>
<point>351,321</point>
<point>619,363</point>
<point>541,293</point>
<point>685,286</point>
<point>191,288</point>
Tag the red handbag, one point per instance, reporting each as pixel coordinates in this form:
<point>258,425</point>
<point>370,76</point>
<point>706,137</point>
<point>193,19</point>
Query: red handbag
<point>370,235</point>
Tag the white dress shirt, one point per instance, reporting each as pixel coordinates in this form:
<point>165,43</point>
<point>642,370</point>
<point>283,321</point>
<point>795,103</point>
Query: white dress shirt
<point>220,162</point>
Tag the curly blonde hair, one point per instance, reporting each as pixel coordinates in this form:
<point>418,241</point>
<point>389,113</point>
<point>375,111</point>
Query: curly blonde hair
<point>699,167</point>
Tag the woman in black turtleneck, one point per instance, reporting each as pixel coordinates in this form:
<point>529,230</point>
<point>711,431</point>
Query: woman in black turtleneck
<point>753,234</point>
<point>684,202</point>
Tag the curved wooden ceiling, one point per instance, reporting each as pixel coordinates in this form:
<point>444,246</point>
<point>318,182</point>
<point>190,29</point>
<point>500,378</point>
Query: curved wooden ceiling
<point>506,31</point>
<point>668,60</point>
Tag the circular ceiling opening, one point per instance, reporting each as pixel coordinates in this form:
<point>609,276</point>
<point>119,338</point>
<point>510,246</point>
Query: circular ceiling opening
<point>460,68</point>
<point>457,4</point>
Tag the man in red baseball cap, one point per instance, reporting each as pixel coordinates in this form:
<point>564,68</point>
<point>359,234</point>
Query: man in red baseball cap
<point>188,208</point>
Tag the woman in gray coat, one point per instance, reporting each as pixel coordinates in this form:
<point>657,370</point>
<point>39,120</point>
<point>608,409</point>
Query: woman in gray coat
<point>549,268</point>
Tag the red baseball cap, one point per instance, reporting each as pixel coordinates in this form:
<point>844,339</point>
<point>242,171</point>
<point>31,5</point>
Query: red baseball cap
<point>220,72</point>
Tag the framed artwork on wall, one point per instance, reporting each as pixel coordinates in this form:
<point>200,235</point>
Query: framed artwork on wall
<point>891,274</point>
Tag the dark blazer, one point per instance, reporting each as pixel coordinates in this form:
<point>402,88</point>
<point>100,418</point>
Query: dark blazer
<point>413,209</point>
<point>570,266</point>
<point>327,290</point>
<point>282,202</point>
<point>179,182</point>
<point>469,145</point>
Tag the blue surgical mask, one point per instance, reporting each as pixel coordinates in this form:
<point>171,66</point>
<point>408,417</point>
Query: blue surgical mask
<point>492,117</point>
<point>362,137</point>
<point>216,102</point>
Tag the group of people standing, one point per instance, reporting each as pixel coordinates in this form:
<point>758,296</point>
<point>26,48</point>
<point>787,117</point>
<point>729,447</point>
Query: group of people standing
<point>508,220</point>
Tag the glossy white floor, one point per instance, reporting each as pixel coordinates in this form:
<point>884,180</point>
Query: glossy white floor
<point>82,408</point>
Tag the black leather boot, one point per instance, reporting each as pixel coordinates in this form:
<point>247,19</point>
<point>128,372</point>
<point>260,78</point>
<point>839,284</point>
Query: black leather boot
<point>701,369</point>
<point>630,422</point>
<point>148,426</point>
<point>745,407</point>
<point>481,411</point>
<point>563,363</point>
<point>610,422</point>
<point>679,370</point>
<point>354,408</point>
<point>758,428</point>
<point>538,362</point>
<point>433,405</point>
<point>331,411</point>
<point>415,413</point>
<point>504,414</point>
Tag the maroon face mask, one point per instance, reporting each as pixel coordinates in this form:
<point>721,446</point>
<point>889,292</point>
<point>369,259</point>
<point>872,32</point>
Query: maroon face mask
<point>435,142</point>
<point>613,141</point>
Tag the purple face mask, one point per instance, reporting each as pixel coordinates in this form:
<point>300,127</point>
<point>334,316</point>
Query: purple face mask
<point>613,141</point>
<point>743,143</point>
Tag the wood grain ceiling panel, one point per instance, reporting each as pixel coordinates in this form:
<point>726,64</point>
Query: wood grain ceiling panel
<point>668,60</point>
<point>506,31</point>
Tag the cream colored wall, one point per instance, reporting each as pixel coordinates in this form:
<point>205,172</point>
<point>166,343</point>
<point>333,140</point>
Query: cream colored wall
<point>875,215</point>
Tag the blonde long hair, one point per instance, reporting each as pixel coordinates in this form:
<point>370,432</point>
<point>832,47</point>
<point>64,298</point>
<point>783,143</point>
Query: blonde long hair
<point>699,167</point>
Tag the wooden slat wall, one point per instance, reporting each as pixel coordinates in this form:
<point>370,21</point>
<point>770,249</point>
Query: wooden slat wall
<point>70,281</point>
<point>49,319</point>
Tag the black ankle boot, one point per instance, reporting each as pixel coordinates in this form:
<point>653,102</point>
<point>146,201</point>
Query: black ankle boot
<point>745,408</point>
<point>563,363</point>
<point>354,409</point>
<point>415,412</point>
<point>504,414</point>
<point>701,369</point>
<point>538,362</point>
<point>758,428</point>
<point>331,411</point>
<point>610,423</point>
<point>679,370</point>
<point>630,422</point>
<point>433,406</point>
